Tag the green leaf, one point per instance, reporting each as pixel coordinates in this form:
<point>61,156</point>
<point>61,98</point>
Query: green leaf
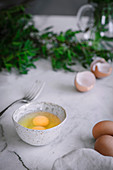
<point>44,49</point>
<point>48,28</point>
<point>61,37</point>
<point>69,55</point>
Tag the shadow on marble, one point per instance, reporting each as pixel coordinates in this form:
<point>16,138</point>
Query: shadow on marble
<point>67,88</point>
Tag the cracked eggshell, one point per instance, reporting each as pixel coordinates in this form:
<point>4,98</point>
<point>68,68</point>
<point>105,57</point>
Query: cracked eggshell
<point>97,60</point>
<point>101,68</point>
<point>84,81</point>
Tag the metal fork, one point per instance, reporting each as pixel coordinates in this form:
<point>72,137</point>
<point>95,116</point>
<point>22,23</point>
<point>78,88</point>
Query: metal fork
<point>30,94</point>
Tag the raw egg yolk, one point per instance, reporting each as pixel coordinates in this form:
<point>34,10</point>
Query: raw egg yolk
<point>40,121</point>
<point>39,128</point>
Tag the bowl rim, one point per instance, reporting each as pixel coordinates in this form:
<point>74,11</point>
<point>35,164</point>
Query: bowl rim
<point>33,130</point>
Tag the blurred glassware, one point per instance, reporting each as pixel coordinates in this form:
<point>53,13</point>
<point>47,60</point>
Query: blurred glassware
<point>92,18</point>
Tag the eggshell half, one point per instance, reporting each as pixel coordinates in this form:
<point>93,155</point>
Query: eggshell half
<point>102,128</point>
<point>104,145</point>
<point>103,70</point>
<point>84,81</point>
<point>100,68</point>
<point>97,60</point>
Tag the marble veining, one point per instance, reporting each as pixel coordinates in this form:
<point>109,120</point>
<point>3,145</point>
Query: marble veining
<point>3,143</point>
<point>20,159</point>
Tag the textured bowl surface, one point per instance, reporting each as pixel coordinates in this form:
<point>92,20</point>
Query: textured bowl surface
<point>38,137</point>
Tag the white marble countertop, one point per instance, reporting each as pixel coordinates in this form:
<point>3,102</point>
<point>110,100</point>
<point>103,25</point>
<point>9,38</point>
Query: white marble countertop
<point>75,143</point>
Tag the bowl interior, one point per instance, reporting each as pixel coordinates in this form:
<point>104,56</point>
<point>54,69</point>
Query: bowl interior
<point>35,107</point>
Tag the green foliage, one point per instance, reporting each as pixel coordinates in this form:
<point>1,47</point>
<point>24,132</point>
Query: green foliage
<point>17,46</point>
<point>101,2</point>
<point>22,44</point>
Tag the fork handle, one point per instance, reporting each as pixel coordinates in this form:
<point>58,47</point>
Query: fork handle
<point>9,106</point>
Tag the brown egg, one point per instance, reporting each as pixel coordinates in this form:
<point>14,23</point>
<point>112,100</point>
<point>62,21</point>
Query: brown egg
<point>104,145</point>
<point>103,128</point>
<point>101,68</point>
<point>84,81</point>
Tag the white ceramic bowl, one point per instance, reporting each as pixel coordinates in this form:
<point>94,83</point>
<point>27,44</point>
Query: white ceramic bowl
<point>38,137</point>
